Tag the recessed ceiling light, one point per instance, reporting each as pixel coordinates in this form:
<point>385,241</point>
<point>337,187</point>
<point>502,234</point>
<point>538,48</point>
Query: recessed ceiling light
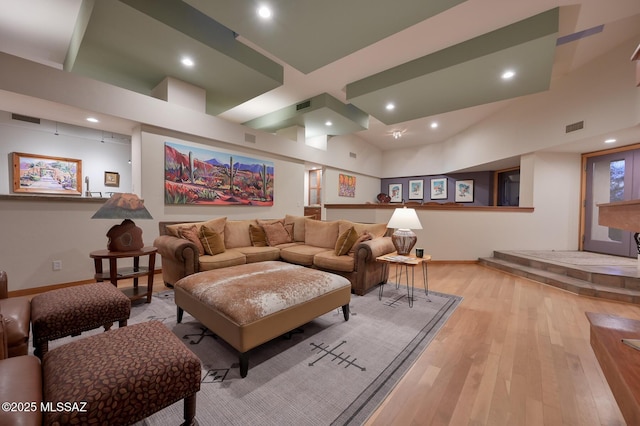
<point>187,62</point>
<point>508,74</point>
<point>92,120</point>
<point>397,134</point>
<point>264,12</point>
<point>434,125</point>
<point>390,106</point>
<point>328,123</point>
<point>611,140</point>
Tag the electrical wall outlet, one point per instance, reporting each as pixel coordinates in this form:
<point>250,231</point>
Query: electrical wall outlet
<point>57,265</point>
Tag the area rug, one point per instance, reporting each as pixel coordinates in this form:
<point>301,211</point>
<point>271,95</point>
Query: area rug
<point>329,372</point>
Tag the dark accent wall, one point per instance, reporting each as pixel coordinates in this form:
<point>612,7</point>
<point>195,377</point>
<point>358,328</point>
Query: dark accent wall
<point>482,183</point>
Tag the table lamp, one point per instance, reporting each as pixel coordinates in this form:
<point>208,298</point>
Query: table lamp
<point>404,220</point>
<point>126,236</point>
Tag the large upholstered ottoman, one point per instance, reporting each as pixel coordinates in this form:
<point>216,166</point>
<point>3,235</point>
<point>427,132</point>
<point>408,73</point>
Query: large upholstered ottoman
<point>247,305</point>
<point>70,311</point>
<point>120,377</point>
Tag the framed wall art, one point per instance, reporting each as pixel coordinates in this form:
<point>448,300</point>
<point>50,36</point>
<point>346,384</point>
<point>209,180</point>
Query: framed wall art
<point>347,186</point>
<point>111,179</point>
<point>395,192</point>
<point>44,174</point>
<point>203,176</point>
<point>464,191</point>
<point>439,189</point>
<point>416,189</point>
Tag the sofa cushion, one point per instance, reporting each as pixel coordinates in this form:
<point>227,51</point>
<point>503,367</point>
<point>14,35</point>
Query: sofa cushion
<point>320,234</point>
<point>236,233</point>
<point>259,254</point>
<point>191,233</point>
<point>345,241</point>
<point>364,237</point>
<point>375,229</point>
<point>213,224</point>
<point>298,225</point>
<point>300,254</point>
<point>276,233</point>
<point>211,241</point>
<point>330,261</point>
<point>257,236</point>
<point>230,257</point>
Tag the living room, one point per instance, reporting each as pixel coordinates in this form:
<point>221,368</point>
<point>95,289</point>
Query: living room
<point>527,132</point>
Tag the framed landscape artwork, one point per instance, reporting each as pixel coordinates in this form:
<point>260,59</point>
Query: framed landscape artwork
<point>416,189</point>
<point>395,192</point>
<point>43,174</point>
<point>195,175</point>
<point>439,189</point>
<point>464,191</point>
<point>111,179</point>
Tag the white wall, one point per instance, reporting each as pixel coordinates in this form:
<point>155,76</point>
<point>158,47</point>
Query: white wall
<point>462,234</point>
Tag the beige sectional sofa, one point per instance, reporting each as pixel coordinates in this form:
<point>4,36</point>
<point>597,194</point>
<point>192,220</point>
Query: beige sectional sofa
<point>342,247</point>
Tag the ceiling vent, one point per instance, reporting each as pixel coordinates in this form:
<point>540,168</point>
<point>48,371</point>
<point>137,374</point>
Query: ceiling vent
<point>352,155</point>
<point>575,126</point>
<point>303,105</point>
<point>26,118</point>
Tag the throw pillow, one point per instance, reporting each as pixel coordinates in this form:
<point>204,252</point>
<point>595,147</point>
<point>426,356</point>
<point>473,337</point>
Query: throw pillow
<point>276,234</point>
<point>191,233</point>
<point>211,240</point>
<point>365,236</point>
<point>257,235</point>
<point>345,241</point>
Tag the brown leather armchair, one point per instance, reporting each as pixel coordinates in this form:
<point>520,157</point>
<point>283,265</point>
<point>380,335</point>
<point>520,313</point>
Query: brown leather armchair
<point>16,313</point>
<point>20,383</point>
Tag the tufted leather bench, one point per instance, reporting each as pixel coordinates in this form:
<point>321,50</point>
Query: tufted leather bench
<point>72,310</point>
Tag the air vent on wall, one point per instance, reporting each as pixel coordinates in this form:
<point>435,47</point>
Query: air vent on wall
<point>352,155</point>
<point>303,105</point>
<point>248,137</point>
<point>25,118</point>
<point>575,126</point>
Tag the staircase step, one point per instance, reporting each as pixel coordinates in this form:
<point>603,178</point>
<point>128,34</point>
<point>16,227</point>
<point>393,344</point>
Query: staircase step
<point>563,281</point>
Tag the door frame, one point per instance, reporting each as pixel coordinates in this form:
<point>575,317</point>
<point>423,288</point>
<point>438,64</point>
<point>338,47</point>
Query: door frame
<point>583,185</point>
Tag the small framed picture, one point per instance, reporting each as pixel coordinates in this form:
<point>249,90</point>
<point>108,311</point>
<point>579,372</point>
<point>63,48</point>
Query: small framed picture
<point>416,189</point>
<point>395,192</point>
<point>439,189</point>
<point>464,191</point>
<point>111,179</point>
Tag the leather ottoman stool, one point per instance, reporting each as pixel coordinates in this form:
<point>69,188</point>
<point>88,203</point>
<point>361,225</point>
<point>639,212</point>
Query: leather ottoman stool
<point>72,310</point>
<point>121,376</point>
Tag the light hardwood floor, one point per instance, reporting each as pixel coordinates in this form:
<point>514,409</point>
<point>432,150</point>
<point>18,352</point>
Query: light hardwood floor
<point>515,352</point>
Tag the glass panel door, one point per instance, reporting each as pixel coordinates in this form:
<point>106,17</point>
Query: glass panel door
<point>609,179</point>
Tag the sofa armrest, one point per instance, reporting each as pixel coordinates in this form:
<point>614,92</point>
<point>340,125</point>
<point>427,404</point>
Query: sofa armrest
<point>370,249</point>
<point>180,249</point>
<point>180,258</point>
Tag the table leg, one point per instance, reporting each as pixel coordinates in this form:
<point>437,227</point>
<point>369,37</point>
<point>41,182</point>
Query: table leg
<point>136,268</point>
<point>113,271</point>
<point>425,277</point>
<point>410,289</point>
<point>152,266</point>
<point>98,266</point>
<point>385,267</point>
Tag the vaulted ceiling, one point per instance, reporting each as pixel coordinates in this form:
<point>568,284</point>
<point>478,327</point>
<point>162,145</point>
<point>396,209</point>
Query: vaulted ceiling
<point>370,67</point>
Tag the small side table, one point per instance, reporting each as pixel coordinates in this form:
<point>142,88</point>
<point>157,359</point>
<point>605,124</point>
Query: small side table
<point>402,264</point>
<point>114,274</point>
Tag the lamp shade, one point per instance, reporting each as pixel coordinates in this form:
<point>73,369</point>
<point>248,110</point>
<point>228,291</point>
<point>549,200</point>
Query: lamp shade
<point>125,236</point>
<point>404,218</point>
<point>123,206</point>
